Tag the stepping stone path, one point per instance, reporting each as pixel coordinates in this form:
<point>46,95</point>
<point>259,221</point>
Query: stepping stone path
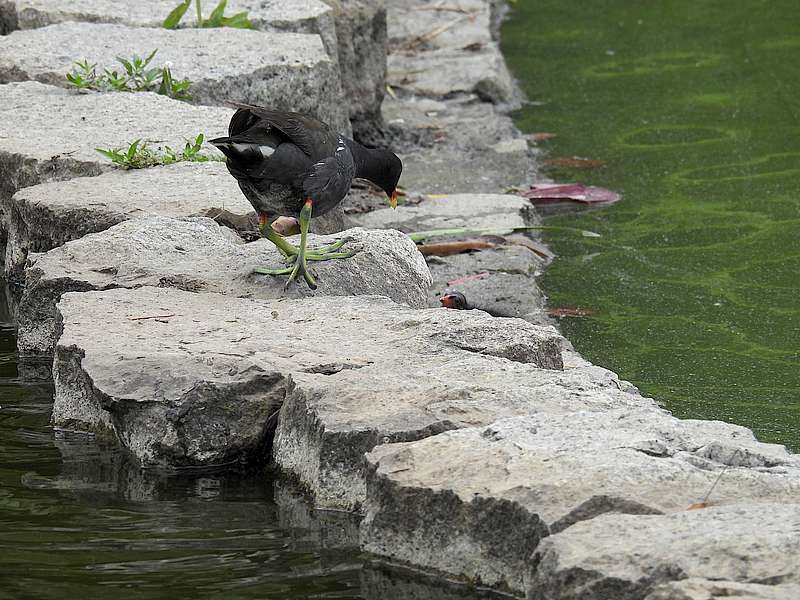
<point>551,471</point>
<point>479,448</point>
<point>199,255</point>
<point>64,130</point>
<point>287,71</point>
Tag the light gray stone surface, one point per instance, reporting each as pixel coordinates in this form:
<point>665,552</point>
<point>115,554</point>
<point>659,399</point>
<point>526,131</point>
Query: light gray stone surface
<point>267,15</point>
<point>182,378</point>
<point>501,280</point>
<point>627,556</point>
<point>428,504</point>
<point>704,589</point>
<point>452,211</point>
<point>63,128</point>
<point>456,145</point>
<point>48,215</point>
<point>199,255</point>
<point>326,427</point>
<point>287,71</point>
<point>437,53</point>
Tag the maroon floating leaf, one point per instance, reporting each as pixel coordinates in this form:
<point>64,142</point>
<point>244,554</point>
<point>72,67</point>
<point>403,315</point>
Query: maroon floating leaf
<point>552,193</point>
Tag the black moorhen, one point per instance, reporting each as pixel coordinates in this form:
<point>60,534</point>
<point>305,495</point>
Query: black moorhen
<point>291,164</point>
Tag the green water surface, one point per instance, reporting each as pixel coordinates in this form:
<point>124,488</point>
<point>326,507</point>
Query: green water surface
<point>695,106</point>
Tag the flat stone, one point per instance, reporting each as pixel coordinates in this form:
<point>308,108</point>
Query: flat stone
<point>48,215</point>
<point>457,145</point>
<point>61,134</point>
<point>183,378</point>
<point>502,280</point>
<point>441,73</point>
<point>628,556</point>
<point>413,22</point>
<point>298,16</point>
<point>478,211</point>
<point>287,71</point>
<point>704,589</point>
<point>199,255</point>
<point>429,506</point>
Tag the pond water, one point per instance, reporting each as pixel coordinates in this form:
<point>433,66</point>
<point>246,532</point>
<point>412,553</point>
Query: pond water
<point>695,107</point>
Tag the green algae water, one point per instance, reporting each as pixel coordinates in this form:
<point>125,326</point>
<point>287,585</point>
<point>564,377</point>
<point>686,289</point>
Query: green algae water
<point>695,106</point>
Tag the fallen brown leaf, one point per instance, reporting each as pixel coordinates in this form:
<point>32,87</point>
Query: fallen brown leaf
<point>450,248</point>
<point>542,136</point>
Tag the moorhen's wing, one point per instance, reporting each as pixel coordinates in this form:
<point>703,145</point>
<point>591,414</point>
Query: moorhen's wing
<point>328,181</point>
<point>311,135</point>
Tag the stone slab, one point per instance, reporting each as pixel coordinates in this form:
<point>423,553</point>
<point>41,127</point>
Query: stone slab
<point>199,255</point>
<point>542,474</point>
<point>500,211</point>
<point>419,24</point>
<point>298,16</point>
<point>457,145</point>
<point>443,73</point>
<point>48,215</point>
<point>287,71</point>
<point>627,556</point>
<point>61,134</point>
<point>502,280</point>
<point>183,378</point>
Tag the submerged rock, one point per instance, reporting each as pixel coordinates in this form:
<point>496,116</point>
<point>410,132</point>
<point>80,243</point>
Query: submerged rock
<point>199,255</point>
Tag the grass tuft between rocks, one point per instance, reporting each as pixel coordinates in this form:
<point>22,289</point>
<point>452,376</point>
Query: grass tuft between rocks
<point>136,76</point>
<point>139,155</point>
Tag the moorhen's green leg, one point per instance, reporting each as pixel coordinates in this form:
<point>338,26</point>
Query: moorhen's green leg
<point>297,257</point>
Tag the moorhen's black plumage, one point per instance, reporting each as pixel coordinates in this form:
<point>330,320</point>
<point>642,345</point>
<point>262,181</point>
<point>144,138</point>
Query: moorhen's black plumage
<point>291,164</point>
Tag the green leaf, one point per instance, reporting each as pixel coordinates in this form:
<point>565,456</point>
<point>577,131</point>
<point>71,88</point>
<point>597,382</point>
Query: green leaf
<point>216,16</point>
<point>239,21</point>
<point>175,16</point>
<point>132,149</point>
<point>149,58</point>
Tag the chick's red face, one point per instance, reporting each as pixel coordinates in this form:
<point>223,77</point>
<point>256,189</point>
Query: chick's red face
<point>454,300</point>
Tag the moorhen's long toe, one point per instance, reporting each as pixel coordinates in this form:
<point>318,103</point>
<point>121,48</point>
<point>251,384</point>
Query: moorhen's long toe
<point>291,164</point>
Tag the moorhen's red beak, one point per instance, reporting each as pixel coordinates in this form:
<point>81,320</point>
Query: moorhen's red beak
<point>393,199</point>
<point>447,301</point>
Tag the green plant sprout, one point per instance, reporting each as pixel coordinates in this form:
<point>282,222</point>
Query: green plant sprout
<point>137,76</point>
<point>217,17</point>
<point>138,155</point>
